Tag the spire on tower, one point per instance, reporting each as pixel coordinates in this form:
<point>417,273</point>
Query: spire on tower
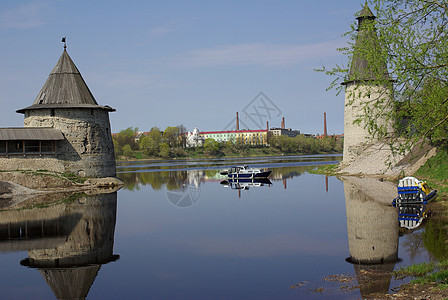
<point>64,40</point>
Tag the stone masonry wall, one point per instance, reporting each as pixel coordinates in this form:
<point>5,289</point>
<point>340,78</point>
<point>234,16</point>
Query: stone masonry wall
<point>31,162</point>
<point>88,149</point>
<point>356,98</point>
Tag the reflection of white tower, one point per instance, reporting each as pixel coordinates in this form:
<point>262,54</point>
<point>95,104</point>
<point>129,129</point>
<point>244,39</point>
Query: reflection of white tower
<point>372,228</point>
<point>194,139</point>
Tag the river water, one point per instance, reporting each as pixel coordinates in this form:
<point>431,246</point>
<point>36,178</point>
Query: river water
<point>177,231</point>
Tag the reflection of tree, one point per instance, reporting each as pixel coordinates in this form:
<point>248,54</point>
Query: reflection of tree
<point>172,180</point>
<point>434,238</point>
<point>413,245</point>
<point>289,172</point>
<point>211,173</point>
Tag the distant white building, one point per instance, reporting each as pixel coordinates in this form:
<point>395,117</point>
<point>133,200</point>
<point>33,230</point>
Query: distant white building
<point>194,139</point>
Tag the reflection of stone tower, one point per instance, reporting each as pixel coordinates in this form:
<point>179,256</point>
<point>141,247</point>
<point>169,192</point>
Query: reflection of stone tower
<point>372,228</point>
<point>361,91</point>
<point>70,265</point>
<point>66,103</point>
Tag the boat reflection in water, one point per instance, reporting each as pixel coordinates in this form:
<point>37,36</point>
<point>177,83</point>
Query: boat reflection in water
<point>372,228</point>
<point>245,184</point>
<point>67,241</point>
<point>174,180</point>
<point>411,216</point>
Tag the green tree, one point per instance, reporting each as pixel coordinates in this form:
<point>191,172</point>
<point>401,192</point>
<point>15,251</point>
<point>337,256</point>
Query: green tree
<point>164,150</point>
<point>150,144</point>
<point>240,144</point>
<point>127,151</point>
<point>170,136</point>
<point>117,149</point>
<point>126,137</point>
<point>211,147</point>
<point>412,41</point>
<point>182,135</point>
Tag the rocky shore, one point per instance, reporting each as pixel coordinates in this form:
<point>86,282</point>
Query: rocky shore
<point>379,160</point>
<point>21,185</point>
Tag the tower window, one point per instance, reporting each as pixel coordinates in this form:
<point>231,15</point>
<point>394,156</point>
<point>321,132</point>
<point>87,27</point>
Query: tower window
<point>52,112</point>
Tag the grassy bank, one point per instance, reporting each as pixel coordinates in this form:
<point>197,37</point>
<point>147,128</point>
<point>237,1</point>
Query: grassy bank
<point>435,172</point>
<point>429,278</point>
<point>199,153</point>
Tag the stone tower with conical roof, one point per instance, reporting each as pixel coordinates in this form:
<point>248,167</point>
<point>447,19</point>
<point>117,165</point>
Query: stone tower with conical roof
<point>367,89</point>
<point>65,103</point>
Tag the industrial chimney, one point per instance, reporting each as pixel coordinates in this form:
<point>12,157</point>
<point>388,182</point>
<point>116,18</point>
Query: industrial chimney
<point>283,123</point>
<point>267,125</point>
<point>325,124</point>
<point>237,122</point>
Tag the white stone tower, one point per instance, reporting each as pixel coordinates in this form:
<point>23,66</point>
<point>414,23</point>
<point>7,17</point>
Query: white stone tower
<point>66,103</point>
<point>367,90</point>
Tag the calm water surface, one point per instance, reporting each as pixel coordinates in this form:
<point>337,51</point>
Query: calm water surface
<point>175,232</point>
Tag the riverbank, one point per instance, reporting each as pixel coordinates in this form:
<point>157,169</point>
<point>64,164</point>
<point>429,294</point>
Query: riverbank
<point>430,285</point>
<point>251,152</point>
<point>434,171</point>
<point>22,185</point>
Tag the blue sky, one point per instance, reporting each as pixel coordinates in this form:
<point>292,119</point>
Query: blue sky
<point>196,63</point>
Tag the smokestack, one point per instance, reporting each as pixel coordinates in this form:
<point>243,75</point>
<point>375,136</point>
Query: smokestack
<point>237,122</point>
<point>283,123</point>
<point>267,125</point>
<point>325,124</point>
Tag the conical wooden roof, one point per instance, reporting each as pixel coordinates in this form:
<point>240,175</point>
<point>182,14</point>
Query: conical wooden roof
<point>71,283</point>
<point>365,13</point>
<point>65,88</point>
<point>365,64</point>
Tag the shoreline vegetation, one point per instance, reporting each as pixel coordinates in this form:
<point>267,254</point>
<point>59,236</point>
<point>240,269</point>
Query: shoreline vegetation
<point>434,172</point>
<point>171,144</point>
<point>429,279</point>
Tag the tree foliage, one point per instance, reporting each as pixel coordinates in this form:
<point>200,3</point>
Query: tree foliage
<point>127,137</point>
<point>150,144</point>
<point>413,43</point>
<point>302,144</point>
<point>170,136</point>
<point>211,147</point>
<point>168,144</point>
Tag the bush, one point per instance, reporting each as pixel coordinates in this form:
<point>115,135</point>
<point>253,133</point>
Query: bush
<point>127,151</point>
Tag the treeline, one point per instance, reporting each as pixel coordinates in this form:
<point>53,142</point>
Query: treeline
<point>306,145</point>
<point>171,143</point>
<point>155,143</point>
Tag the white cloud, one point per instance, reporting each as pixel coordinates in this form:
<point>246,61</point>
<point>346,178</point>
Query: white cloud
<point>160,31</point>
<point>171,26</point>
<point>255,54</point>
<point>26,15</point>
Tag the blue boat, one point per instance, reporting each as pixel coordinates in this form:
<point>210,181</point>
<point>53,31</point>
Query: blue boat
<point>246,172</point>
<point>412,190</point>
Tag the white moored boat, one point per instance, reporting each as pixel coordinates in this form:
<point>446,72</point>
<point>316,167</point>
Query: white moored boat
<point>246,172</point>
